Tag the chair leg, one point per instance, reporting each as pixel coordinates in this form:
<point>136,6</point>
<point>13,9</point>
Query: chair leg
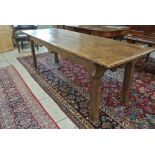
<point>17,44</point>
<point>147,57</point>
<point>37,47</point>
<point>22,45</point>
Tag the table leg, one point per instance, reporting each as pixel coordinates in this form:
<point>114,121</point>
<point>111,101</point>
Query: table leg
<point>33,54</point>
<point>94,103</point>
<point>129,67</point>
<point>17,43</point>
<point>95,94</point>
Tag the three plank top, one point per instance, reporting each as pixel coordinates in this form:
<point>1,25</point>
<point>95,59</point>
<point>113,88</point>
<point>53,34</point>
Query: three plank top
<point>103,51</point>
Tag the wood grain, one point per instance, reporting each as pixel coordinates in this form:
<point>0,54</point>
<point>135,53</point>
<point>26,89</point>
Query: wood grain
<point>6,43</point>
<point>105,52</point>
<point>95,92</point>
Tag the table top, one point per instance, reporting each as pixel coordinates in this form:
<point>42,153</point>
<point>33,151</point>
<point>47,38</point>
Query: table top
<point>103,51</point>
<point>103,28</point>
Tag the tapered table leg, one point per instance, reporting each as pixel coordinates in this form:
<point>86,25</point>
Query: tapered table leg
<point>126,88</point>
<point>94,103</point>
<point>33,54</point>
<point>95,94</point>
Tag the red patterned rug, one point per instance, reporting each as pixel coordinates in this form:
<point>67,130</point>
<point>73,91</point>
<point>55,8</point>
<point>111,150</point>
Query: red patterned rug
<point>68,85</point>
<point>19,108</point>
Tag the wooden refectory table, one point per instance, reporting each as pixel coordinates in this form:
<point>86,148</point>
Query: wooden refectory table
<point>96,54</point>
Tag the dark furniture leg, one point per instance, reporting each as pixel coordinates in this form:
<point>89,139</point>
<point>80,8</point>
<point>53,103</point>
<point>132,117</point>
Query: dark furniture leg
<point>33,54</point>
<point>22,45</point>
<point>56,59</point>
<point>147,57</point>
<point>37,47</point>
<point>17,44</point>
